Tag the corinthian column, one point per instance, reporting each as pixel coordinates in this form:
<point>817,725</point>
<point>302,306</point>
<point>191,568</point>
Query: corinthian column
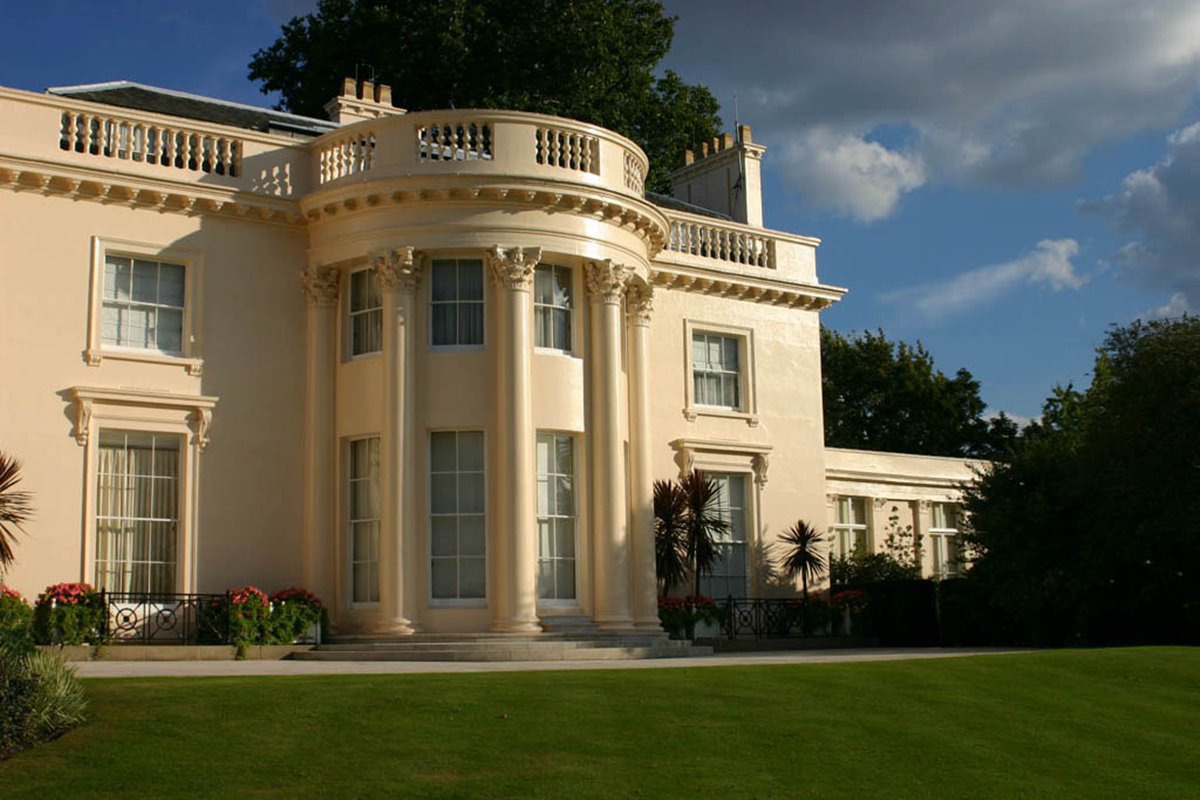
<point>643,579</point>
<point>321,290</point>
<point>610,546</point>
<point>513,576</point>
<point>399,557</point>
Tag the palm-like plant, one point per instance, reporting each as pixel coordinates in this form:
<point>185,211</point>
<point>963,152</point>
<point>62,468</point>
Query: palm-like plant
<point>706,523</point>
<point>670,535</point>
<point>688,520</point>
<point>803,557</point>
<point>15,508</point>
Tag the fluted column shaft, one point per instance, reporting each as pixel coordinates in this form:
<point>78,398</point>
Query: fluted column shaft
<point>399,556</point>
<point>321,290</point>
<point>610,546</point>
<point>514,595</point>
<point>643,577</point>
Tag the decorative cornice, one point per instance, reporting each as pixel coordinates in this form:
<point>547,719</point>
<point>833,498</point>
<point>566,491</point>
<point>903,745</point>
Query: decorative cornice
<point>512,267</point>
<point>766,290</point>
<point>644,220</point>
<point>607,281</point>
<point>320,286</point>
<point>139,192</point>
<point>396,269</point>
<point>639,302</point>
<point>756,454</point>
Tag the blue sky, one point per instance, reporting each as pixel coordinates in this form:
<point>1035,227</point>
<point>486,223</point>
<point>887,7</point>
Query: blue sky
<point>1001,180</point>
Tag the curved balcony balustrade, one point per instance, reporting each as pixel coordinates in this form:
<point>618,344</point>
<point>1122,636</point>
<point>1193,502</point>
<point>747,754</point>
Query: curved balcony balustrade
<point>508,144</point>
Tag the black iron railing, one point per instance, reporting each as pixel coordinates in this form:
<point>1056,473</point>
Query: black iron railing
<point>762,618</point>
<point>166,618</point>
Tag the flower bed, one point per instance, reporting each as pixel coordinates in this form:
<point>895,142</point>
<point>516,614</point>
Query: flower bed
<point>679,615</point>
<point>68,614</point>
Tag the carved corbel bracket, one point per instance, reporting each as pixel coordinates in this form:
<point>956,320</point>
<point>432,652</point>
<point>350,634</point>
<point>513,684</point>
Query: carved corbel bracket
<point>200,421</point>
<point>685,457</point>
<point>759,463</point>
<point>83,419</point>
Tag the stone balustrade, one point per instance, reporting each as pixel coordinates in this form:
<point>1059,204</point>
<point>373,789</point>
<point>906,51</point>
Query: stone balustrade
<point>511,144</point>
<point>346,155</point>
<point>112,136</point>
<point>710,239</point>
<point>58,143</point>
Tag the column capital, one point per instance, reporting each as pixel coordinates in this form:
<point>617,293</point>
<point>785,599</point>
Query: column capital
<point>320,286</point>
<point>512,267</point>
<point>396,268</point>
<point>606,281</point>
<point>639,303</point>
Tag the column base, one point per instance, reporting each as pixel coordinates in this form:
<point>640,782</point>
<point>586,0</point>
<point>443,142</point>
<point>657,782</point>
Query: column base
<point>516,626</point>
<point>651,624</point>
<point>396,627</point>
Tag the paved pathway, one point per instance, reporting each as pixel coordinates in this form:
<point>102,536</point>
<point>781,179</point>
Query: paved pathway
<point>178,669</point>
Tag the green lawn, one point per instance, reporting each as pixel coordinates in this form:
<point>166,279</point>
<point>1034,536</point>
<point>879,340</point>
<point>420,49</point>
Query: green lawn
<point>1082,723</point>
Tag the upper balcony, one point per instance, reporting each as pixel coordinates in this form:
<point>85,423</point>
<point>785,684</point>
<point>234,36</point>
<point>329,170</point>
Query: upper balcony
<point>490,144</point>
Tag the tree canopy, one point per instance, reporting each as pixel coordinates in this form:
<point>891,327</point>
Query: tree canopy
<point>884,395</point>
<point>591,60</point>
<point>1087,532</point>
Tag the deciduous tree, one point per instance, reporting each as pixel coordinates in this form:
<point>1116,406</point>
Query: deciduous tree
<point>591,60</point>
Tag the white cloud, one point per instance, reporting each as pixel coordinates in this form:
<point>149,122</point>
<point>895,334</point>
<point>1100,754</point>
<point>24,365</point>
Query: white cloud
<point>1009,92</point>
<point>1159,208</point>
<point>1177,306</point>
<point>859,178</point>
<point>1049,265</point>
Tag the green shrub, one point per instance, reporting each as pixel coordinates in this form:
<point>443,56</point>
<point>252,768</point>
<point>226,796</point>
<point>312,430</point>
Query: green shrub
<point>293,612</point>
<point>58,701</point>
<point>15,612</point>
<point>249,612</point>
<point>69,613</point>
<point>17,688</point>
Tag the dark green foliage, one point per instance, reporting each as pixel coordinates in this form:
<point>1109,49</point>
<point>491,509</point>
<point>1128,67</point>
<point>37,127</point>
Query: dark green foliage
<point>903,612</point>
<point>884,395</point>
<point>40,697</point>
<point>670,535</point>
<point>688,522</point>
<point>1087,533</point>
<point>591,60</point>
<point>64,624</point>
<point>15,508</point>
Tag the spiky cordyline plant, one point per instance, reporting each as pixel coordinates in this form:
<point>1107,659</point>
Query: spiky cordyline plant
<point>15,508</point>
<point>804,555</point>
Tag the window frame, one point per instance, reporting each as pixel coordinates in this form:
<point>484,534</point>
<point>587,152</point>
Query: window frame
<point>349,314</point>
<point>947,539</point>
<point>746,373</point>
<point>350,520</point>
<point>144,411</point>
<point>482,302</point>
<point>555,435</point>
<point>97,350</point>
<point>744,543</point>
<point>570,310</point>
<point>179,541</point>
<point>841,527</point>
<point>457,601</point>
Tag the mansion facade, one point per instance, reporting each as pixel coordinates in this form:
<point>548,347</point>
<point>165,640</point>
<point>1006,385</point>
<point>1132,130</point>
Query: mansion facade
<point>427,365</point>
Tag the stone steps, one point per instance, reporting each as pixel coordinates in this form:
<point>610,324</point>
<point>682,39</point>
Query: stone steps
<point>502,647</point>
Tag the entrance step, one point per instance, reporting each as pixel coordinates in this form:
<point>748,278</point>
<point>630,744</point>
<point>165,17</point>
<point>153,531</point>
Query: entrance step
<point>503,647</point>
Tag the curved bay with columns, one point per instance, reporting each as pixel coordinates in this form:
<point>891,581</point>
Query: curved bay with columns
<point>508,388</point>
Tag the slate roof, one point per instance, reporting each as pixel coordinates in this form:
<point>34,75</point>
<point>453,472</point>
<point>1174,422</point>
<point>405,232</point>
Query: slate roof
<point>127,94</point>
<point>666,201</point>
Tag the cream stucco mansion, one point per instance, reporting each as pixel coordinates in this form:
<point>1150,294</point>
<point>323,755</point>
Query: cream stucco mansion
<point>427,365</point>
